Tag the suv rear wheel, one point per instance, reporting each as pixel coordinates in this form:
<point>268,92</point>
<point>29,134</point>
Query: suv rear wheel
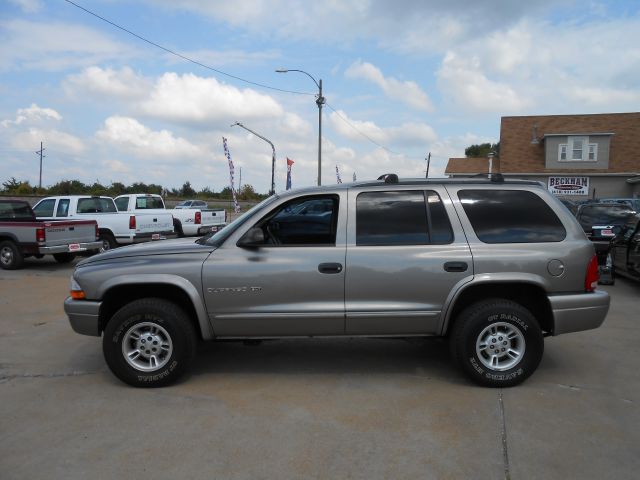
<point>149,343</point>
<point>497,342</point>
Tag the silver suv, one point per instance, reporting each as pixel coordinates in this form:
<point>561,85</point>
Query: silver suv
<point>494,265</point>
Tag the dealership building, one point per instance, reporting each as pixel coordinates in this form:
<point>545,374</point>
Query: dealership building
<point>579,157</point>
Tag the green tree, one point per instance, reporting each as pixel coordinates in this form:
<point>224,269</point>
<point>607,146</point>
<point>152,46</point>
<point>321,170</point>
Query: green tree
<point>482,149</point>
<point>187,190</point>
<point>24,189</point>
<point>225,192</point>
<point>11,185</point>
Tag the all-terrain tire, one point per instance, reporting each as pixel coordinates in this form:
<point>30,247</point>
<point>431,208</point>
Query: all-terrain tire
<point>11,257</point>
<point>149,343</point>
<point>108,242</point>
<point>496,342</point>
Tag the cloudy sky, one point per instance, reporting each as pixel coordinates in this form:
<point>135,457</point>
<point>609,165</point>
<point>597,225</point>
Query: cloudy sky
<point>401,78</point>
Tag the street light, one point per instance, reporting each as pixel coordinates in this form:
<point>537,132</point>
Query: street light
<point>319,101</point>
<point>273,156</point>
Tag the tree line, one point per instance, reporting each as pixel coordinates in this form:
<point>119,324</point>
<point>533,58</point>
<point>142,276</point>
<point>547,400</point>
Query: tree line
<point>13,186</point>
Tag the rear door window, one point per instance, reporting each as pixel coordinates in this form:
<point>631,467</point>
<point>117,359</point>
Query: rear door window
<point>401,218</point>
<point>511,216</point>
<point>63,208</point>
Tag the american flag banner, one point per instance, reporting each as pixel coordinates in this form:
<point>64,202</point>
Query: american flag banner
<point>289,164</point>
<point>236,206</point>
<point>338,175</point>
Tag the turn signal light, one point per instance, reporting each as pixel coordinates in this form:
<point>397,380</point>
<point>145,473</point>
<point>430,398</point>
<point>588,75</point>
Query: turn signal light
<point>77,295</point>
<point>76,290</point>
<point>593,275</point>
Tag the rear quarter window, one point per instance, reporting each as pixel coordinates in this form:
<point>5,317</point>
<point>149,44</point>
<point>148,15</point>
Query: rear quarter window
<point>511,216</point>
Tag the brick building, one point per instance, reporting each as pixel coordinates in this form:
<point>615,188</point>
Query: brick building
<point>576,156</point>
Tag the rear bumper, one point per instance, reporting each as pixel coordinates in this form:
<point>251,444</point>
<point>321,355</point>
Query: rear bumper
<point>70,248</point>
<point>578,312</point>
<point>146,237</point>
<point>84,316</point>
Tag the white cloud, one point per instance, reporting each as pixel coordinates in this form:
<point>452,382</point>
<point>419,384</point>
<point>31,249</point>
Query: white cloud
<point>55,46</point>
<point>406,135</point>
<point>28,6</point>
<point>64,144</point>
<point>463,81</point>
<point>408,92</point>
<point>31,115</point>
<point>417,27</point>
<point>133,137</point>
<point>123,84</point>
<point>196,100</point>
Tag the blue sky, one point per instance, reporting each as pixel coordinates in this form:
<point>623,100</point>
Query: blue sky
<point>401,79</point>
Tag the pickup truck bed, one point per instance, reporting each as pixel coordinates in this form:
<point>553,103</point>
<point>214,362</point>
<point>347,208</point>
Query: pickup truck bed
<point>21,235</point>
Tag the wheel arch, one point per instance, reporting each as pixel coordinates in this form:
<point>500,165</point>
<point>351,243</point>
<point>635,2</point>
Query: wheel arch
<point>118,292</point>
<point>530,295</point>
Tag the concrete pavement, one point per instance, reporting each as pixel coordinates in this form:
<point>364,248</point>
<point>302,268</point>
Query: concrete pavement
<point>351,408</point>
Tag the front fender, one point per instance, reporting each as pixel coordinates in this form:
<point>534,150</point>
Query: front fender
<point>164,279</point>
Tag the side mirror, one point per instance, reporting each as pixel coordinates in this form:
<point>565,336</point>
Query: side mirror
<point>253,238</point>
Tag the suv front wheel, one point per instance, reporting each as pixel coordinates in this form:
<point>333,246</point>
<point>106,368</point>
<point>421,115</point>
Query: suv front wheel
<point>149,343</point>
<point>497,342</point>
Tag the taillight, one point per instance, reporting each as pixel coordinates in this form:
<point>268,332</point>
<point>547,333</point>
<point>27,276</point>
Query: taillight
<point>593,275</point>
<point>41,235</point>
<point>97,232</point>
<point>132,222</point>
<point>198,218</point>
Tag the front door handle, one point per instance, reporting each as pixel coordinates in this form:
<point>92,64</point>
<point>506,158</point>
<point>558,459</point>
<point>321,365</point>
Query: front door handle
<point>455,267</point>
<point>330,268</point>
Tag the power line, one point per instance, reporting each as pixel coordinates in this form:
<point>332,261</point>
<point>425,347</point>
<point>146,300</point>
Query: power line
<point>184,57</point>
<point>360,132</point>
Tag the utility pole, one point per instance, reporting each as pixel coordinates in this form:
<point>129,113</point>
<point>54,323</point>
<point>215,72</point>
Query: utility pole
<point>41,156</point>
<point>240,182</point>
<point>428,159</point>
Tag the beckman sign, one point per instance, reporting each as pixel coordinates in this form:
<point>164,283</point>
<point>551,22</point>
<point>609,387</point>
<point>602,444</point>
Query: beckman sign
<point>564,186</point>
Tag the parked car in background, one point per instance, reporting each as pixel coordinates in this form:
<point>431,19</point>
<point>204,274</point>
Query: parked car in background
<point>192,204</point>
<point>494,266</point>
<point>634,203</point>
<point>624,255</point>
<point>192,221</point>
<point>22,236</point>
<point>601,222</point>
<point>114,228</point>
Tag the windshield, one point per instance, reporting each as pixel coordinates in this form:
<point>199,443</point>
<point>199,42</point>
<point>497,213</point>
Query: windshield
<point>216,239</point>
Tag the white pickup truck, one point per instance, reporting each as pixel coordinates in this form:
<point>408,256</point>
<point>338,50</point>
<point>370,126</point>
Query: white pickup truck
<point>186,221</point>
<point>114,228</point>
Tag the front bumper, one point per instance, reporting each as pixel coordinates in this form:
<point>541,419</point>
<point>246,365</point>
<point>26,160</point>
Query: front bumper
<point>578,312</point>
<point>70,248</point>
<point>84,316</point>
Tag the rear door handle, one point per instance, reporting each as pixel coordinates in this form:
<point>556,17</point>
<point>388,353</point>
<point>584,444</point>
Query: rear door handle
<point>456,267</point>
<point>330,268</point>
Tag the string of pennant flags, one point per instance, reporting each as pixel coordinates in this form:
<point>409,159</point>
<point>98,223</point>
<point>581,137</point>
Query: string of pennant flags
<point>236,205</point>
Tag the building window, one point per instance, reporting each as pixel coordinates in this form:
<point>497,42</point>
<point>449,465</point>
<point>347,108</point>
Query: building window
<point>563,152</point>
<point>580,150</point>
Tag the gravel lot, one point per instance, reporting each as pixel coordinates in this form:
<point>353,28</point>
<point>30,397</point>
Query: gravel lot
<point>310,408</point>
